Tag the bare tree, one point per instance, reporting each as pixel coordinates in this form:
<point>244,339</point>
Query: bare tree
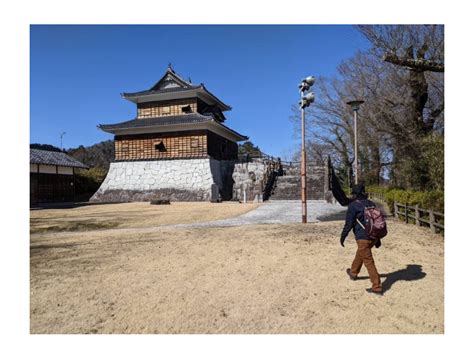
<point>401,80</point>
<point>418,49</point>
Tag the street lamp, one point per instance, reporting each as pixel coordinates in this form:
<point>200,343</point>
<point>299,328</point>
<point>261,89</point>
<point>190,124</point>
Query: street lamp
<point>306,100</point>
<point>355,105</point>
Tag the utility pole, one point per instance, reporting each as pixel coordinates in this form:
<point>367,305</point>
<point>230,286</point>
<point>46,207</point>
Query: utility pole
<point>305,101</point>
<point>355,105</point>
<point>61,136</point>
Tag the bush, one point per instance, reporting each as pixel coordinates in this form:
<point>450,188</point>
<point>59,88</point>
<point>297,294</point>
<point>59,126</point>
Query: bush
<point>433,200</point>
<point>88,182</point>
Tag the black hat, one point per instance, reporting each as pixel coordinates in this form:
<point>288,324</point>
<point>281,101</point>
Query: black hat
<point>358,189</point>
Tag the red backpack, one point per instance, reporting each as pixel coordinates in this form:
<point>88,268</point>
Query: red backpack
<point>375,225</point>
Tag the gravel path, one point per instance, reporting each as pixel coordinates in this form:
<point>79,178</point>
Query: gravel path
<point>282,212</point>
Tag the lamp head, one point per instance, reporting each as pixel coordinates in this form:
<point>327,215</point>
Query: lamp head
<point>309,80</point>
<point>306,83</point>
<point>303,86</point>
<point>306,100</point>
<point>355,104</point>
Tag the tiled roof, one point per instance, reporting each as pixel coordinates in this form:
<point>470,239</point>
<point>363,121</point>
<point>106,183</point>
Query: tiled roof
<point>182,119</point>
<point>158,121</point>
<point>55,158</point>
<point>151,92</point>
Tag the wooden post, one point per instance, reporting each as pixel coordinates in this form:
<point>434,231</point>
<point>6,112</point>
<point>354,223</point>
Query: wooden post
<point>432,221</point>
<point>395,209</point>
<point>417,216</point>
<point>406,213</point>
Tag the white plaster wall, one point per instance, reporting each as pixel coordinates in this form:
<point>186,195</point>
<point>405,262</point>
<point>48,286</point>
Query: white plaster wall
<point>65,170</point>
<point>50,169</point>
<point>47,169</point>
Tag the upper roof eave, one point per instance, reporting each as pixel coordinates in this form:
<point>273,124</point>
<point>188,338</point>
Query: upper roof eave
<point>192,91</point>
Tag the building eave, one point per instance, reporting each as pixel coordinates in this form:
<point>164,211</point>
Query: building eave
<point>176,93</point>
<point>210,125</point>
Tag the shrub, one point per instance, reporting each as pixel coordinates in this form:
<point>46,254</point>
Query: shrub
<point>433,200</point>
<point>88,182</point>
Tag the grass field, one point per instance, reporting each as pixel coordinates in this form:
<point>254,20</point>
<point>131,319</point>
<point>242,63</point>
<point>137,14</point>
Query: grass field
<point>245,279</point>
<point>131,215</point>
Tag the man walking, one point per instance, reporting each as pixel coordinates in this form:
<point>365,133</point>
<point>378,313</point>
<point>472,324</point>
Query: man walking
<point>354,221</point>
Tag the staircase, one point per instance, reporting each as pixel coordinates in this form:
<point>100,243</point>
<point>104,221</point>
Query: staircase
<point>288,185</point>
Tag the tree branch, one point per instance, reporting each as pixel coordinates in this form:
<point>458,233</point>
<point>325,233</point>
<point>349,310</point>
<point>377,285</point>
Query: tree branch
<point>415,64</point>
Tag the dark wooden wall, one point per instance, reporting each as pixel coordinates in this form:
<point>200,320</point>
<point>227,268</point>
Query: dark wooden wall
<point>51,188</point>
<point>192,144</point>
<point>221,148</point>
<point>165,108</point>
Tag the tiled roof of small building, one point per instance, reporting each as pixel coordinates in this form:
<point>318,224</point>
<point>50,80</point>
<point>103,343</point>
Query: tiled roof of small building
<point>55,158</point>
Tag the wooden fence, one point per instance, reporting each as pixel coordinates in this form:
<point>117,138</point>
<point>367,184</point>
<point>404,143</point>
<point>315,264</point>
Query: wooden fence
<point>415,213</point>
<point>435,220</point>
<point>378,196</point>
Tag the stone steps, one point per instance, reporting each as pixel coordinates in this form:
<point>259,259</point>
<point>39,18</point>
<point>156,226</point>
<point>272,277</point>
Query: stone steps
<point>288,187</point>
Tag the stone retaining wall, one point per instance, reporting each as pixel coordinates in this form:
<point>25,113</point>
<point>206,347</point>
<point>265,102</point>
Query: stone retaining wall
<point>248,178</point>
<point>186,179</point>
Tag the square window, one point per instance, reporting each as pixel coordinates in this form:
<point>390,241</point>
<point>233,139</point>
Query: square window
<point>160,147</point>
<point>186,109</point>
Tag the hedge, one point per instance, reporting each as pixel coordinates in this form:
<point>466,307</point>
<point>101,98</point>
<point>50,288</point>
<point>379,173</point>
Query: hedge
<point>433,200</point>
<point>88,182</point>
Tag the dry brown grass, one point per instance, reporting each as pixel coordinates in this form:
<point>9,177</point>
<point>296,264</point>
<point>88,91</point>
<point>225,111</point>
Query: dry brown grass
<point>247,279</point>
<point>131,215</point>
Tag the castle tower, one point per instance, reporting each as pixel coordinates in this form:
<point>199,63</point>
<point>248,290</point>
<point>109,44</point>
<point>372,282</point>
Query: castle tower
<point>176,147</point>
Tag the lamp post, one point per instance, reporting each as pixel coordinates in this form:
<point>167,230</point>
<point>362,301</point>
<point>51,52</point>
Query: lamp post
<point>355,105</point>
<point>305,101</point>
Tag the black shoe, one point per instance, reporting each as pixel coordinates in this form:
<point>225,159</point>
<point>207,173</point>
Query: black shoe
<point>351,277</point>
<point>371,291</point>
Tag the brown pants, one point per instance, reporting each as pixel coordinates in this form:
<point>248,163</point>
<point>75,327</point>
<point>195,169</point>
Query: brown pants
<point>364,256</point>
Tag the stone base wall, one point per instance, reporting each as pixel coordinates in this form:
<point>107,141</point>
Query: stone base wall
<point>187,180</point>
<point>248,179</point>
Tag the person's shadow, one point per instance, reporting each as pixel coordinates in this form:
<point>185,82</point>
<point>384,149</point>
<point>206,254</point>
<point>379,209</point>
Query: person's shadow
<point>410,273</point>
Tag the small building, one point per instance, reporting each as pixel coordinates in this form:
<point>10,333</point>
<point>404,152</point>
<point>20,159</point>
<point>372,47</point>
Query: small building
<point>52,176</point>
<point>177,147</point>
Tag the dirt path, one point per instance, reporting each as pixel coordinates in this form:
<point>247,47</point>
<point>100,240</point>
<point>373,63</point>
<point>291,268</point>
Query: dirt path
<point>246,279</point>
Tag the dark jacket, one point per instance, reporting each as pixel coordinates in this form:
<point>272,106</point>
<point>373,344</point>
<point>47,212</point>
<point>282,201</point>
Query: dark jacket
<point>355,210</point>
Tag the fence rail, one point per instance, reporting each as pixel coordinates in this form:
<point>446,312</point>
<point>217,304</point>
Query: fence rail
<point>404,211</point>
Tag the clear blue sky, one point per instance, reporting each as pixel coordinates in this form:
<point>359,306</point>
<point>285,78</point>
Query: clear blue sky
<point>78,73</point>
